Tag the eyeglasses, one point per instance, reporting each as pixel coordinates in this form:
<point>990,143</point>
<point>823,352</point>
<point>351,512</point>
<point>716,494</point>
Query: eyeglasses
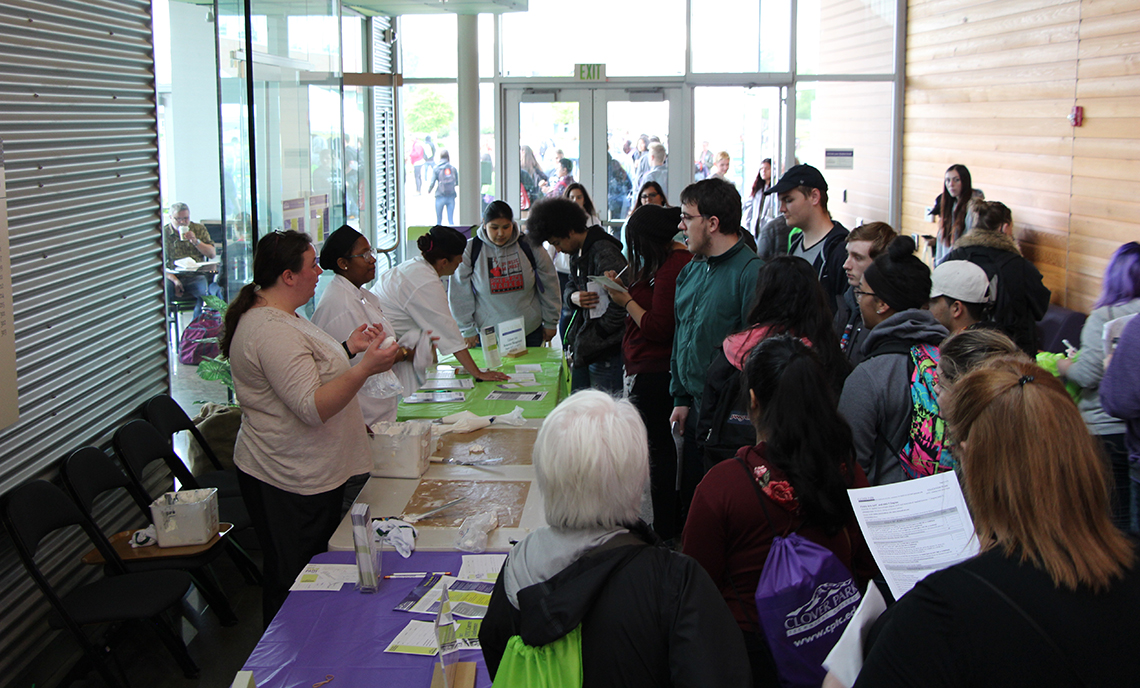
<point>369,252</point>
<point>859,292</point>
<point>687,218</point>
<point>649,195</point>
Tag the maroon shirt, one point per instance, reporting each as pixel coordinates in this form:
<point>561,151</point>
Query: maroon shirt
<point>646,349</point>
<point>728,533</point>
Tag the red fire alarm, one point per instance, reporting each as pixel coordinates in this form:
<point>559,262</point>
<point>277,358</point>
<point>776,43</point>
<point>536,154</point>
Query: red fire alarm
<point>1077,116</point>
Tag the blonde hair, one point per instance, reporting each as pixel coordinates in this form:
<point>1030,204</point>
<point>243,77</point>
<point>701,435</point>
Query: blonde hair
<point>723,155</point>
<point>1033,475</point>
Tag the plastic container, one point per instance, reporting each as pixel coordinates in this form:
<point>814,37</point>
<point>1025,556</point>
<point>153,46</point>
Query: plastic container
<point>401,450</point>
<point>186,517</point>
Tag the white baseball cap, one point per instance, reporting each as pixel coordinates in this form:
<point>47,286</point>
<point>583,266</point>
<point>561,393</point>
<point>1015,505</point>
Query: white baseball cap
<point>960,280</point>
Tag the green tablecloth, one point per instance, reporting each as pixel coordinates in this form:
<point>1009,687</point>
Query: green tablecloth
<point>552,380</point>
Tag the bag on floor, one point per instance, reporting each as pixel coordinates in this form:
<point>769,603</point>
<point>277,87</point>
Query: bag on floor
<point>200,338</point>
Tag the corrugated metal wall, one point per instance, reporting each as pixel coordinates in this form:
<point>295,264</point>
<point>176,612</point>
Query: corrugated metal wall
<point>77,120</point>
<point>384,121</point>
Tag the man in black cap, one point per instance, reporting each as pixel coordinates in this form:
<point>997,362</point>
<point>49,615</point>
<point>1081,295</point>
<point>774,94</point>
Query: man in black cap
<point>821,241</point>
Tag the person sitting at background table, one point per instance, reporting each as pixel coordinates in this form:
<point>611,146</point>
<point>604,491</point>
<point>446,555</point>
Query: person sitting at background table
<point>302,434</point>
<point>509,279</point>
<point>1053,599</point>
<point>346,304</point>
<point>642,614</point>
<point>185,239</point>
<point>414,298</point>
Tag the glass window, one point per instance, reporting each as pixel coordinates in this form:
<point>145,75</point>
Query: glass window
<point>852,119</point>
<point>744,123</point>
<point>630,38</point>
<point>352,39</point>
<point>727,36</point>
<point>429,112</point>
<point>428,46</point>
<point>845,36</point>
<point>316,40</point>
<point>487,157</point>
<point>486,46</point>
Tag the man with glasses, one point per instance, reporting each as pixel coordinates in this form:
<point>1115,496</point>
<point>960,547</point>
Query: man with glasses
<point>714,293</point>
<point>185,239</point>
<point>865,243</point>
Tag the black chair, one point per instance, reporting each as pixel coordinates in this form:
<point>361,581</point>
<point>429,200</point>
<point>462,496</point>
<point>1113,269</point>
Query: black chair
<point>88,473</point>
<point>138,444</point>
<point>168,418</point>
<point>34,510</point>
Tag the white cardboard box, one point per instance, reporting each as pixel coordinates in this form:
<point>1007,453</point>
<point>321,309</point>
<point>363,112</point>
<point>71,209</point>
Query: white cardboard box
<point>186,517</point>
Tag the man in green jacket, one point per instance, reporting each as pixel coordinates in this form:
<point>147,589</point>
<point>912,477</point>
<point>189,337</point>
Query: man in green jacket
<point>714,295</point>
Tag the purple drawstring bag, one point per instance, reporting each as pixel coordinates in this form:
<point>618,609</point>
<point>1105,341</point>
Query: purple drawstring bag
<point>806,597</point>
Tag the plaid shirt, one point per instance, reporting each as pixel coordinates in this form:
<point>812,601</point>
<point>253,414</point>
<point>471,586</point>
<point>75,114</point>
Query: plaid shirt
<point>174,248</point>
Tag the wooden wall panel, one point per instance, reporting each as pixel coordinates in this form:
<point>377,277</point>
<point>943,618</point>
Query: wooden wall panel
<point>990,84</point>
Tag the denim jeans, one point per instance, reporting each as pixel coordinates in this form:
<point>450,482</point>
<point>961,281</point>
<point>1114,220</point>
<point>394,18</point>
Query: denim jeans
<point>605,375</point>
<point>442,202</point>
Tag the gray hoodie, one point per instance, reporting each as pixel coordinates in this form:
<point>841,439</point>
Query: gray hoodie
<point>876,397</point>
<point>504,287</point>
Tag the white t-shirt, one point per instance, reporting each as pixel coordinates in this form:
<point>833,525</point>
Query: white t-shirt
<point>343,308</point>
<point>413,297</point>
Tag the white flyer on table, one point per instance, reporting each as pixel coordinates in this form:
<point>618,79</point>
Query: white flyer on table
<point>521,377</point>
<point>325,577</point>
<point>515,396</point>
<point>915,527</point>
<point>528,368</point>
<point>448,383</point>
<point>483,567</point>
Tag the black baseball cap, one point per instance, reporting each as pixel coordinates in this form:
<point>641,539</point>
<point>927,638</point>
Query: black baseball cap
<point>800,175</point>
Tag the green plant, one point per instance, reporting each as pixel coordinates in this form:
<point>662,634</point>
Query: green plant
<point>216,369</point>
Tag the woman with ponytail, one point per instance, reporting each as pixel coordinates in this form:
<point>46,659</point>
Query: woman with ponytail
<point>302,432</point>
<point>414,298</point>
<point>802,465</point>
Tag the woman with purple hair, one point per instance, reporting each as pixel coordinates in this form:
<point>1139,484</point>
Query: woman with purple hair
<point>1119,298</point>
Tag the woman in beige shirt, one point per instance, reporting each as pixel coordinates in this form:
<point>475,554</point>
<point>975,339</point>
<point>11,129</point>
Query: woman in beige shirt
<point>302,433</point>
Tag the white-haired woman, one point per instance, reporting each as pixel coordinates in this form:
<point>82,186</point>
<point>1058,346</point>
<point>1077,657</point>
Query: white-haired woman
<point>646,615</point>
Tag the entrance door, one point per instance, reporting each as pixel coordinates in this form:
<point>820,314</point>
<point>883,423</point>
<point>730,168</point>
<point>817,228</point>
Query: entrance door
<point>598,130</point>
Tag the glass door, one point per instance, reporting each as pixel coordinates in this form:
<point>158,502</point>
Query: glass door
<point>607,135</point>
<point>548,128</point>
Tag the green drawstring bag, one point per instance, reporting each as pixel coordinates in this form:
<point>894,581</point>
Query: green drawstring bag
<point>1048,361</point>
<point>554,665</point>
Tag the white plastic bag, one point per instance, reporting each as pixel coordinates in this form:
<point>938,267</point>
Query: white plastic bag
<point>474,532</point>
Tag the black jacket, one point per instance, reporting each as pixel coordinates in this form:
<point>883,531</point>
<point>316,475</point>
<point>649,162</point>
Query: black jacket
<point>650,617</point>
<point>834,254</point>
<point>849,328</point>
<point>593,339</point>
<point>1022,298</point>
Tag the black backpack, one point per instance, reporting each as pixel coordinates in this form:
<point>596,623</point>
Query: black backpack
<point>446,177</point>
<point>724,425</point>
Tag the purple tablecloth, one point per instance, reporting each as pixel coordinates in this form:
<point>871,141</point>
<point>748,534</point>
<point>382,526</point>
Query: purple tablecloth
<point>344,633</point>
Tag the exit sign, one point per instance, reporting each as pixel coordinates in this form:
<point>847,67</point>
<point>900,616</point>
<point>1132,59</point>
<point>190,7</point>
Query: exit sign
<point>590,72</point>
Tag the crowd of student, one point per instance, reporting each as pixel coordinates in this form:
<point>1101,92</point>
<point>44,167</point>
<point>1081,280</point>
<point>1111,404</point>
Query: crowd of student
<point>839,361</point>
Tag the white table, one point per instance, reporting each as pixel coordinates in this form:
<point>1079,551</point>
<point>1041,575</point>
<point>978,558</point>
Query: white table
<point>388,496</point>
